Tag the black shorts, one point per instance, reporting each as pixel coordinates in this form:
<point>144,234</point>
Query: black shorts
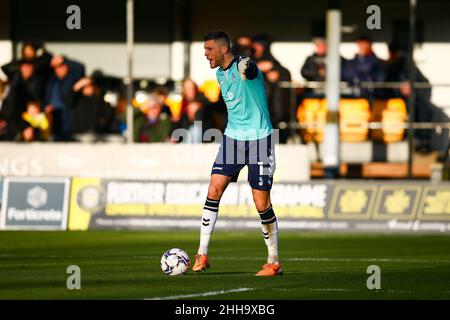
<point>257,155</point>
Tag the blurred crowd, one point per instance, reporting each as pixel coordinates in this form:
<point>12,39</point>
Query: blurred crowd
<point>364,68</point>
<point>48,97</point>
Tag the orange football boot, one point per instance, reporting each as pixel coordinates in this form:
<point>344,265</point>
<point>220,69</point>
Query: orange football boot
<point>270,269</point>
<point>201,263</point>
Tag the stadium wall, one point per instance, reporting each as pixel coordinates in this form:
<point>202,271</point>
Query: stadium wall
<point>156,161</point>
<point>94,203</point>
<point>114,186</point>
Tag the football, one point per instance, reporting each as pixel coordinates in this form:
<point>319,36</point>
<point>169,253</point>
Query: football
<point>175,262</point>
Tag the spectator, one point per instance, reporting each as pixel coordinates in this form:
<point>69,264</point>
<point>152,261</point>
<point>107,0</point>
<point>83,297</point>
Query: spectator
<point>262,55</point>
<point>243,46</point>
<point>314,68</point>
<point>58,91</point>
<point>34,53</point>
<point>161,93</point>
<point>190,93</point>
<point>273,71</point>
<point>197,119</point>
<point>151,125</point>
<point>91,114</point>
<point>4,136</point>
<point>397,70</point>
<point>4,92</point>
<point>25,86</point>
<point>364,67</point>
<point>38,125</point>
<point>192,121</point>
<point>3,124</point>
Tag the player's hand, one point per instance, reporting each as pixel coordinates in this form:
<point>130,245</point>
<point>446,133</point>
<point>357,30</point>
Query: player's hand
<point>242,67</point>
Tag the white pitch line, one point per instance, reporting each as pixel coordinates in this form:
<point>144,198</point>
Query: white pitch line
<point>331,289</point>
<point>320,259</point>
<point>369,260</point>
<point>202,294</point>
<point>347,259</point>
<point>324,259</point>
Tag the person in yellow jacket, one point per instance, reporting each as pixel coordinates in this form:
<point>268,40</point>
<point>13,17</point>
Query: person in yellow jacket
<point>38,123</point>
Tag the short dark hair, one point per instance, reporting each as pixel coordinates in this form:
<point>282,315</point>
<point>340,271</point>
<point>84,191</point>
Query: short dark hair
<point>35,102</point>
<point>364,37</point>
<point>218,35</point>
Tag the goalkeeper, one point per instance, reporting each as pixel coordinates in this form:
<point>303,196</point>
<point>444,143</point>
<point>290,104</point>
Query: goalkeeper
<point>248,141</point>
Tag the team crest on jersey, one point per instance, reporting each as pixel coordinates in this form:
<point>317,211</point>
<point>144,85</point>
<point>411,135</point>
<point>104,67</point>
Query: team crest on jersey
<point>233,77</point>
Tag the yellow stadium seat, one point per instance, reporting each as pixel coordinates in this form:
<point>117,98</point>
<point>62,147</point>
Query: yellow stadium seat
<point>392,114</point>
<point>354,115</point>
<point>211,90</point>
<point>313,113</point>
<point>174,103</point>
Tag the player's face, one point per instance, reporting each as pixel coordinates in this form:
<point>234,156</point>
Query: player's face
<point>214,53</point>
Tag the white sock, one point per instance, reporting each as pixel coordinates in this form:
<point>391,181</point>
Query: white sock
<point>269,227</point>
<point>209,217</point>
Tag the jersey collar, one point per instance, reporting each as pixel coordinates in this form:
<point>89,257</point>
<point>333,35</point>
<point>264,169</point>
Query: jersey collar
<point>230,64</point>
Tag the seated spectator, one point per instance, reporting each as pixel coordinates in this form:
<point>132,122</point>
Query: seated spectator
<point>151,125</point>
<point>4,91</point>
<point>4,136</point>
<point>192,121</point>
<point>273,71</point>
<point>161,93</point>
<point>364,67</point>
<point>262,55</point>
<point>314,67</point>
<point>26,85</point>
<point>38,125</point>
<point>28,82</point>
<point>190,93</point>
<point>58,91</point>
<point>243,46</point>
<point>91,114</point>
<point>397,70</point>
<point>197,119</point>
<point>34,53</point>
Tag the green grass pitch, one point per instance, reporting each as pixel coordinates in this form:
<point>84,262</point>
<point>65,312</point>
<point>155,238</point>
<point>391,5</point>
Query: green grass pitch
<point>126,265</point>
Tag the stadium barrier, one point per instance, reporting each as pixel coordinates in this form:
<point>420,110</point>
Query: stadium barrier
<point>337,206</point>
<point>156,161</point>
<point>95,203</point>
<point>149,186</point>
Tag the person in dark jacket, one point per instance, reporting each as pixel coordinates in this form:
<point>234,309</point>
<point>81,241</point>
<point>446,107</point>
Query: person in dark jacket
<point>58,91</point>
<point>243,46</point>
<point>397,70</point>
<point>364,67</point>
<point>274,72</point>
<point>34,53</point>
<point>314,67</point>
<point>151,124</point>
<point>262,54</point>
<point>26,85</point>
<point>91,114</point>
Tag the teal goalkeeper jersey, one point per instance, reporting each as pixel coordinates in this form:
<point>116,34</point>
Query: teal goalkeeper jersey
<point>246,100</point>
